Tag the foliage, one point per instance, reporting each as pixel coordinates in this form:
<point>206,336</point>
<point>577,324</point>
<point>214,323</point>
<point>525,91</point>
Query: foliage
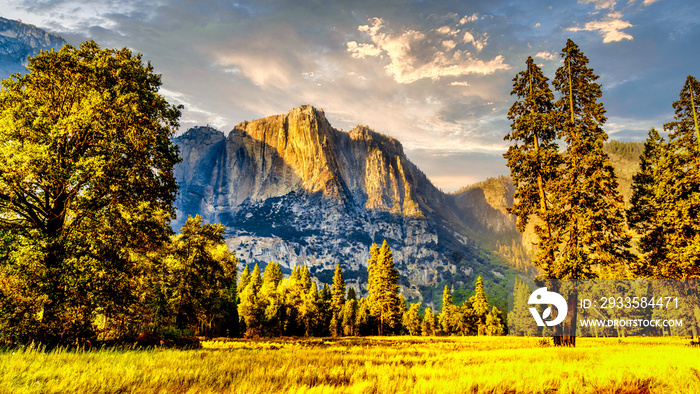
<point>666,194</point>
<point>86,192</point>
<point>383,288</point>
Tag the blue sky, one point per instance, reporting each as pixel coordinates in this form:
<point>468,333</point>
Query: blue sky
<point>435,75</point>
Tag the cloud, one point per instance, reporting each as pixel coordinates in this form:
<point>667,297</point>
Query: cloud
<point>611,28</point>
<point>459,83</point>
<point>547,56</point>
<point>414,55</point>
<point>467,18</point>
<point>600,4</point>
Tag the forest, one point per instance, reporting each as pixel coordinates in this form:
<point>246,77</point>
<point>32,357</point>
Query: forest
<point>87,255</point>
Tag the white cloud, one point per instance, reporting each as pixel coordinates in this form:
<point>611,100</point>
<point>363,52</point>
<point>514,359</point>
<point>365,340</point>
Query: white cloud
<point>467,18</point>
<point>538,25</point>
<point>478,44</point>
<point>600,4</point>
<point>361,51</point>
<point>547,56</point>
<point>414,55</point>
<point>459,83</point>
<point>611,28</point>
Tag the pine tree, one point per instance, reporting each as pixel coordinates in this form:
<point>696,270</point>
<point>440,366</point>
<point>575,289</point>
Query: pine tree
<point>325,311</point>
<point>412,321</point>
<point>534,159</point>
<point>338,301</point>
<point>350,317</point>
<point>272,301</point>
<point>593,238</point>
<point>681,193</point>
<point>480,306</point>
<point>651,198</point>
<point>494,326</point>
<point>428,326</point>
<point>364,323</point>
<point>383,297</point>
<point>244,279</point>
<point>251,309</point>
<point>310,310</point>
<point>447,316</point>
<point>352,295</point>
<point>520,321</point>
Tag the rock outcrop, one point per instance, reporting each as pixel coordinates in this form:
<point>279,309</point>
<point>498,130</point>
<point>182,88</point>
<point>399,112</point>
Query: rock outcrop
<point>291,188</point>
<point>18,41</point>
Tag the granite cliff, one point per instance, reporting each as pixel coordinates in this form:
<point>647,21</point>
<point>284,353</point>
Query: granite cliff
<point>293,189</point>
<point>19,40</point>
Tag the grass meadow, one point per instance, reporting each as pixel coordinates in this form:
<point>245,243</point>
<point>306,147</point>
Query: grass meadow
<point>364,365</point>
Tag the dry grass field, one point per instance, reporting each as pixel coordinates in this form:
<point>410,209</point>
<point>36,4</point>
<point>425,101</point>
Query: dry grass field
<point>365,365</point>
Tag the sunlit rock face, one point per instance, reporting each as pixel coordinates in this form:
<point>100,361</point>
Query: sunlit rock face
<point>19,40</point>
<point>293,189</point>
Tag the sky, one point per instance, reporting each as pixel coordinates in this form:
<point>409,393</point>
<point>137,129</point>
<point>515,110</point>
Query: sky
<point>435,75</point>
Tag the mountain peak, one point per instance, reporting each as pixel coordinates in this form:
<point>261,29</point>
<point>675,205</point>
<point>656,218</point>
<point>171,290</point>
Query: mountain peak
<point>18,41</point>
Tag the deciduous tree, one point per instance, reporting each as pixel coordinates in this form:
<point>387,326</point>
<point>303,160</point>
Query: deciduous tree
<point>86,187</point>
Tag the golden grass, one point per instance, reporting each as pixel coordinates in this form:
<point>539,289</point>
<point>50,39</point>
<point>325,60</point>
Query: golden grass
<point>365,365</point>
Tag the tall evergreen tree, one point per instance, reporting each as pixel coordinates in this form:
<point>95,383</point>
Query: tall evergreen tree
<point>350,317</point>
<point>352,295</point>
<point>447,316</point>
<point>650,201</point>
<point>338,301</point>
<point>412,321</point>
<point>480,305</point>
<point>272,300</point>
<point>383,297</point>
<point>593,239</point>
<point>534,159</point>
<point>244,279</point>
<point>310,310</point>
<point>680,194</point>
<point>494,325</point>
<point>428,326</point>
<point>520,321</point>
<point>251,309</point>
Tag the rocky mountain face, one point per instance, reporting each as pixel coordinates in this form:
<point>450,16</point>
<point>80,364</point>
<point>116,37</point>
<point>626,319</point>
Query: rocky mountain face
<point>19,40</point>
<point>292,189</point>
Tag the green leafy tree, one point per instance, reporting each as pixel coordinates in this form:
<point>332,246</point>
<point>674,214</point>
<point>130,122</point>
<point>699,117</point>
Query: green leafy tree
<point>199,274</point>
<point>383,297</point>
<point>86,189</point>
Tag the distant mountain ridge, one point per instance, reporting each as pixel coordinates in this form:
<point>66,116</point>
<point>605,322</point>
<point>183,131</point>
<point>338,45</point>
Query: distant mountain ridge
<point>18,41</point>
<point>291,188</point>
